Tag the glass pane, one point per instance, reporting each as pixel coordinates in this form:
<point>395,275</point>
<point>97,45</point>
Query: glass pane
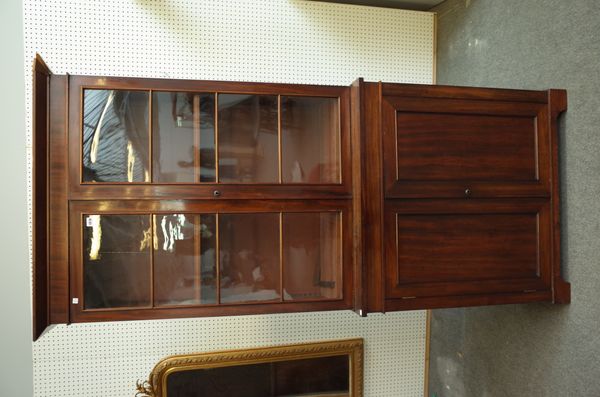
<point>316,377</point>
<point>184,259</point>
<point>310,140</point>
<point>248,139</point>
<point>249,257</point>
<point>116,261</point>
<point>312,255</point>
<point>115,136</point>
<point>183,133</point>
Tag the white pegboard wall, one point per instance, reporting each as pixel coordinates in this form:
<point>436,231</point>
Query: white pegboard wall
<point>294,41</point>
<point>249,40</point>
<point>105,359</point>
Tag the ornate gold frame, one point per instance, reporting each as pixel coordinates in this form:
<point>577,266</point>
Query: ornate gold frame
<point>156,386</point>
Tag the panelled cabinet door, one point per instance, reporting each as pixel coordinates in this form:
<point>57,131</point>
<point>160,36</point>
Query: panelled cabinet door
<point>461,248</point>
<point>468,196</point>
<point>464,145</point>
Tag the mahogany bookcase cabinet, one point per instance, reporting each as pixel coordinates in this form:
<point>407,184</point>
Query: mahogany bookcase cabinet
<point>158,198</point>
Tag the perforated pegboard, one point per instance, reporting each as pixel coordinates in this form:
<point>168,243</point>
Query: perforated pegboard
<point>293,41</point>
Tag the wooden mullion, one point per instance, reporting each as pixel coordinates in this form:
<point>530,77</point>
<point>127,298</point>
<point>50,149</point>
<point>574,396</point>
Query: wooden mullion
<point>218,258</point>
<point>198,257</point>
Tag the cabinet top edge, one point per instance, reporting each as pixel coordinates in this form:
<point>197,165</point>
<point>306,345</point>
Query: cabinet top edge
<point>462,92</point>
<point>387,89</point>
<point>146,83</point>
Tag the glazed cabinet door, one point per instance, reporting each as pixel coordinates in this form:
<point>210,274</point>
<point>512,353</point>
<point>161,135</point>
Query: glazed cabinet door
<point>160,259</point>
<point>207,140</point>
<point>192,198</point>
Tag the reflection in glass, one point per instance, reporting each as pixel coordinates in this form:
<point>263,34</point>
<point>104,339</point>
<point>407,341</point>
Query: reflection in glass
<point>115,136</point>
<point>183,137</point>
<point>310,140</point>
<point>249,257</point>
<point>248,139</point>
<point>312,255</point>
<point>184,259</point>
<point>319,376</point>
<point>116,260</point>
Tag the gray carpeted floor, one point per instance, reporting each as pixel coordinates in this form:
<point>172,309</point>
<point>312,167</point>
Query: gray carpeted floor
<point>539,349</point>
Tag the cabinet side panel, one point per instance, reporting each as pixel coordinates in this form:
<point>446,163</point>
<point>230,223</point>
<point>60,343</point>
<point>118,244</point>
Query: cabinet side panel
<point>41,79</point>
<point>58,228</point>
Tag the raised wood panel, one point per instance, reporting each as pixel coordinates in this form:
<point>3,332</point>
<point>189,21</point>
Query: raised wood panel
<point>437,147</point>
<point>441,147</point>
<point>466,247</point>
<point>445,247</point>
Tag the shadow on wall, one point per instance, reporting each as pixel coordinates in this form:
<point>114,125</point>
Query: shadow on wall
<point>354,33</point>
<point>343,31</point>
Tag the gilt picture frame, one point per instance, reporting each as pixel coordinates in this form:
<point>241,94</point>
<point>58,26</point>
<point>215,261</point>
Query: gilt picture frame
<point>287,365</point>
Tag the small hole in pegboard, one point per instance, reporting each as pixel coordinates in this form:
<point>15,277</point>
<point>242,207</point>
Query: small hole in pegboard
<point>291,41</point>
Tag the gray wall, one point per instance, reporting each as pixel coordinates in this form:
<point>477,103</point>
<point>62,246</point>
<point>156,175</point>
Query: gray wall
<point>538,349</point>
<point>15,330</point>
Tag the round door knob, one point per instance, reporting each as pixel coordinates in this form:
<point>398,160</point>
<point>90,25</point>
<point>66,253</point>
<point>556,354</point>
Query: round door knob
<point>467,192</point>
<point>216,193</point>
